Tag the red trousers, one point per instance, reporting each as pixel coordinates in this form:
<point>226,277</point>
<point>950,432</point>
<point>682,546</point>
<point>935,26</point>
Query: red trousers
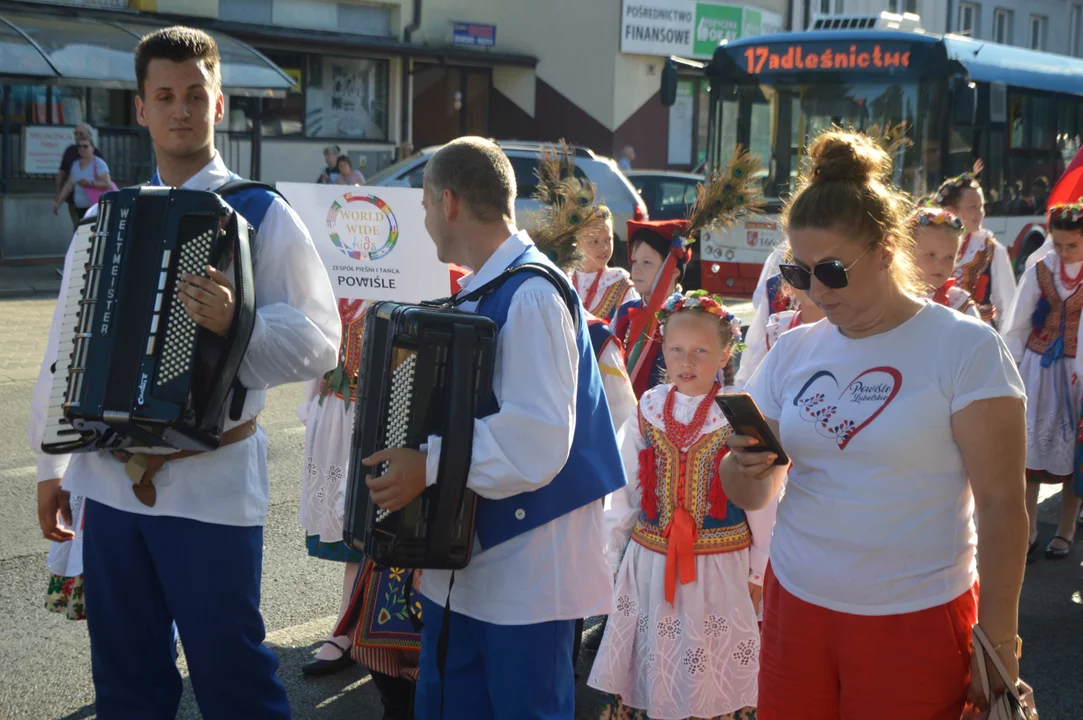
<point>820,664</point>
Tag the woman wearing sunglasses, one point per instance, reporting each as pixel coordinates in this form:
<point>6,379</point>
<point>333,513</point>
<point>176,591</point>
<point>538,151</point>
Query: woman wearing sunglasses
<point>886,409</point>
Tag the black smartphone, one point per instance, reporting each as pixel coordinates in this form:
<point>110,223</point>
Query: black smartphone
<point>746,419</point>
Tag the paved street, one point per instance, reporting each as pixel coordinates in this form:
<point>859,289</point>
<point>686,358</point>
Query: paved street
<point>44,661</point>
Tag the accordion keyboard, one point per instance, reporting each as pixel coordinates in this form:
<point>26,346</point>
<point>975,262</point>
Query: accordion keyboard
<point>398,411</point>
<point>83,277</point>
<point>180,330</point>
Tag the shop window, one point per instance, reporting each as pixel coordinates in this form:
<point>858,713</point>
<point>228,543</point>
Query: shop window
<point>346,98</point>
<point>36,105</point>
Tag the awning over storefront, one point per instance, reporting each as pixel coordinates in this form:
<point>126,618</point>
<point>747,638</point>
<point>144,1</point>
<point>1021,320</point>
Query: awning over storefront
<point>46,49</point>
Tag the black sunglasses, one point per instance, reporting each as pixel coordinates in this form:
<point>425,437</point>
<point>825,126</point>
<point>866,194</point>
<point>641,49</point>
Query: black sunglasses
<point>832,273</point>
<point>84,146</point>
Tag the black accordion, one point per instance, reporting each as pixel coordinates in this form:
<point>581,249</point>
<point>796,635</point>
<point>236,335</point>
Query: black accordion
<point>425,370</point>
<point>133,369</point>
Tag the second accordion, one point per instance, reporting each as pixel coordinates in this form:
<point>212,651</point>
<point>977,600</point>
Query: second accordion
<point>425,371</point>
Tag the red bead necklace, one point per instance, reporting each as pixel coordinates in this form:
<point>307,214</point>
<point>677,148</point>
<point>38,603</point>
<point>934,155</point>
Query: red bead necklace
<point>680,434</point>
<point>1070,283</point>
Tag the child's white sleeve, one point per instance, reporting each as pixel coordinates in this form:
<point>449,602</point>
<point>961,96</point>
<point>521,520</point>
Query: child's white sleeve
<point>311,390</point>
<point>760,523</point>
<point>623,506</point>
<point>1016,327</point>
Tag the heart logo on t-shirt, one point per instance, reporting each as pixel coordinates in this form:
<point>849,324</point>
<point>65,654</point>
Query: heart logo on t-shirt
<point>842,415</point>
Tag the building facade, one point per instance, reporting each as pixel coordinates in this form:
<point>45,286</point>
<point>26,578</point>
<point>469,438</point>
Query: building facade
<point>371,77</point>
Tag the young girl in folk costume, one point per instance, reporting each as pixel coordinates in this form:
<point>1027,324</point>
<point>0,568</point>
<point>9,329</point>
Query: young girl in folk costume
<point>788,308</point>
<point>982,267</point>
<point>570,229</point>
<point>659,252</point>
<point>937,235</point>
<point>684,642</point>
<point>603,289</point>
<point>1042,333</point>
<point>373,626</point>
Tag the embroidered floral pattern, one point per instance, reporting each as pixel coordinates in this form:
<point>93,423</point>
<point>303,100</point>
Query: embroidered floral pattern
<point>65,596</point>
<point>746,653</point>
<point>695,660</point>
<point>715,626</point>
<point>626,606</point>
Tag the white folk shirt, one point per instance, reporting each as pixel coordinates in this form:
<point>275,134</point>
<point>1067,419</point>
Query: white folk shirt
<point>877,517</point>
<point>557,571</point>
<point>295,338</point>
<point>756,335</point>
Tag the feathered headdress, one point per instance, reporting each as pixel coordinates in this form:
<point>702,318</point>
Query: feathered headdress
<point>728,194</point>
<point>568,206</point>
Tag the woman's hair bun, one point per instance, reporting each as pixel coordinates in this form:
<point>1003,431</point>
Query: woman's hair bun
<point>849,157</point>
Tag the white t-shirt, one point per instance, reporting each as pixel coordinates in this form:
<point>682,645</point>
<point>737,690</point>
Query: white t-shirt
<point>877,517</point>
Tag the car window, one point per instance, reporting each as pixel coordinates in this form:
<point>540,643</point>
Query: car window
<point>614,189</point>
<point>526,180</point>
<point>673,199</point>
<point>392,171</point>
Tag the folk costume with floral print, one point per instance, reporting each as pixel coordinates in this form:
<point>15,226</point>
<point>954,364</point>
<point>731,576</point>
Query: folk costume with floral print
<point>684,641</point>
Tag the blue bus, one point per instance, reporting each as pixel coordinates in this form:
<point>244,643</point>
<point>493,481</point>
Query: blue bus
<point>1020,111</point>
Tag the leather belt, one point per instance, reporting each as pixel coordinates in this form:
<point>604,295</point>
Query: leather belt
<point>141,468</point>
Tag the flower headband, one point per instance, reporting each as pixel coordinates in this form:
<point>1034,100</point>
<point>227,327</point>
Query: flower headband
<point>967,179</point>
<point>1066,212</point>
<point>604,212</point>
<point>702,301</point>
<point>927,217</point>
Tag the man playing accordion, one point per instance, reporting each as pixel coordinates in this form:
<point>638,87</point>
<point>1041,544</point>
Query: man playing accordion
<point>190,550</point>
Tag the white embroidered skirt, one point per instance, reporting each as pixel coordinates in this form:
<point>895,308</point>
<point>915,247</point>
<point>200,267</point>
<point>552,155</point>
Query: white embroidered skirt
<point>1051,425</point>
<point>696,658</point>
<point>328,435</point>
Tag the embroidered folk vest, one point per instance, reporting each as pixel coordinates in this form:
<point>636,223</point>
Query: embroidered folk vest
<point>352,315</point>
<point>971,275</point>
<point>685,479</point>
<point>1050,325</point>
<point>607,305</point>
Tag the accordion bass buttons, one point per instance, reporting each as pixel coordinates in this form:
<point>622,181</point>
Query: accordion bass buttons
<point>520,514</point>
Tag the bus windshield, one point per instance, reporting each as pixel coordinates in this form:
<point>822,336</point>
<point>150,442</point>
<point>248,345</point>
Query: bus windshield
<point>777,121</point>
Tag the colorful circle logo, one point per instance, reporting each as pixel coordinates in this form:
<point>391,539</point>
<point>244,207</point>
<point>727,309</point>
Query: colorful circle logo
<point>358,229</point>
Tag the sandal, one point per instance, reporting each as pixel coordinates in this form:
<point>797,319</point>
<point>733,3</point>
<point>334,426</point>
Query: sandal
<point>1056,553</point>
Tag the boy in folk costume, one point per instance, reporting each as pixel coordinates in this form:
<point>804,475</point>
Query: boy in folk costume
<point>684,641</point>
<point>1042,333</point>
<point>982,267</point>
<point>937,235</point>
<point>659,252</point>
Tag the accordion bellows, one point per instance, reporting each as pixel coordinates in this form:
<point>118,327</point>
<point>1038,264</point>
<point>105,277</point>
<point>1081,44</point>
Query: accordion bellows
<point>424,371</point>
<point>133,369</point>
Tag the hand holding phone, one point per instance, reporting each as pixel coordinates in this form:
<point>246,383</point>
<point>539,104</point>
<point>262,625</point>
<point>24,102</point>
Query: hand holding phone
<point>747,420</point>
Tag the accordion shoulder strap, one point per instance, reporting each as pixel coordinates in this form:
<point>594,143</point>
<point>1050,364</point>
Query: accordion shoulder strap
<point>555,278</point>
<point>232,187</point>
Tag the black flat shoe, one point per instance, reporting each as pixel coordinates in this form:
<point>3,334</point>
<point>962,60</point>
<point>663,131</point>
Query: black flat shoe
<point>316,668</point>
<point>1055,553</point>
<point>1031,548</point>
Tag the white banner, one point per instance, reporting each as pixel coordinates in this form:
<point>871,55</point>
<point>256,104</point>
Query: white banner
<point>372,240</point>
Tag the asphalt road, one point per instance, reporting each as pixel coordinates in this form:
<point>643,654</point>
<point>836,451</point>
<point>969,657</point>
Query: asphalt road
<point>44,658</point>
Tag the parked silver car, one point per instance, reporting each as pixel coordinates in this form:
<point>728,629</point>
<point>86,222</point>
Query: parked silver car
<point>614,190</point>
